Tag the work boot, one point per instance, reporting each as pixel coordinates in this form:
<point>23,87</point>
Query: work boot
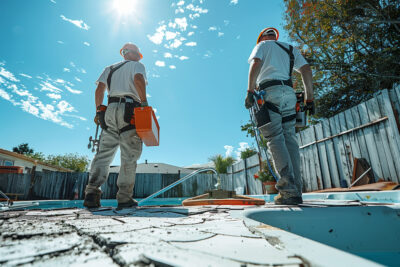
<point>92,201</point>
<point>282,200</point>
<point>130,204</point>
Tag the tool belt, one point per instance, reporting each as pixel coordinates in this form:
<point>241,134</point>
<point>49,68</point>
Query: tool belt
<point>263,118</point>
<point>266,84</point>
<point>130,105</point>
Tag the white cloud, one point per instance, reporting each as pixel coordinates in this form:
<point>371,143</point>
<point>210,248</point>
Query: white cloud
<point>54,96</point>
<point>148,95</point>
<point>73,91</point>
<point>190,33</point>
<point>25,75</point>
<point>196,9</point>
<point>167,55</point>
<point>47,86</point>
<point>53,1</point>
<point>181,23</point>
<point>28,107</point>
<point>238,37</point>
<point>77,23</point>
<point>242,146</point>
<point>66,70</point>
<point>72,64</point>
<point>82,70</point>
<point>8,75</point>
<point>158,36</point>
<point>77,79</point>
<point>234,2</point>
<point>86,43</point>
<point>170,35</point>
<point>179,10</point>
<point>63,106</point>
<point>175,44</point>
<point>193,26</point>
<point>191,44</point>
<point>212,28</point>
<point>160,63</point>
<point>226,22</point>
<point>183,57</point>
<point>228,150</point>
<point>172,67</point>
<point>60,42</point>
<point>180,3</point>
<point>155,75</point>
<point>4,94</point>
<point>193,16</point>
<point>220,34</point>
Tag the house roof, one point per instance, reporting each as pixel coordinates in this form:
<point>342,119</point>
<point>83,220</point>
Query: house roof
<point>200,166</point>
<point>154,168</point>
<point>34,161</point>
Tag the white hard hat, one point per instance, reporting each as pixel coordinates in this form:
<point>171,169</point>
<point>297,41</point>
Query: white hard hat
<point>132,47</point>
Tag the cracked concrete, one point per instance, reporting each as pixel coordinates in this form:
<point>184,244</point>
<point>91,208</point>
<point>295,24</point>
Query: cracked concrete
<point>151,236</point>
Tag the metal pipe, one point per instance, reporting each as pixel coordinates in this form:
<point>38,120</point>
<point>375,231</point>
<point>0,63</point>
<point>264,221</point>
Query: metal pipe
<point>359,178</point>
<point>178,182</point>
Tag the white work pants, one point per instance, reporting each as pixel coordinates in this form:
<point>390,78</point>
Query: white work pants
<point>131,148</point>
<point>282,140</point>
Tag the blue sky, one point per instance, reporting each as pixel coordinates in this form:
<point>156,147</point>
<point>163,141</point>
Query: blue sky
<point>195,53</point>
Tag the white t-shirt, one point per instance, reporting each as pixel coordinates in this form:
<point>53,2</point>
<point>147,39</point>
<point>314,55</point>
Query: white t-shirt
<point>122,79</point>
<point>275,60</point>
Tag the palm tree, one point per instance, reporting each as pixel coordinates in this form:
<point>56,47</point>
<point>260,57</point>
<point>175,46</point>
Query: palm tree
<point>221,163</point>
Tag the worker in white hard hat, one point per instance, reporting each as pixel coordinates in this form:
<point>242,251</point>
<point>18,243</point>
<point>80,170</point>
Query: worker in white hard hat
<point>271,65</point>
<point>125,82</point>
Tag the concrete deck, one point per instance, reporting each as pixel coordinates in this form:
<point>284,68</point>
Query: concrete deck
<point>157,236</point>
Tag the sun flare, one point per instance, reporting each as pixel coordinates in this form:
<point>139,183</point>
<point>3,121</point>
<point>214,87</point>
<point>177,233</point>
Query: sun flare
<point>124,7</point>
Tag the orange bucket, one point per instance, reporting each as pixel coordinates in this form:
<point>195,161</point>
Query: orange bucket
<point>147,126</point>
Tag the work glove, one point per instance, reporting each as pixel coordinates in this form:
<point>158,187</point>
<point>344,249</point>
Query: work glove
<point>249,101</point>
<point>96,119</point>
<point>310,106</point>
<point>144,104</point>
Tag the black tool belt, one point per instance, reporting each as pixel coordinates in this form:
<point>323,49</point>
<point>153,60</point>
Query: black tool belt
<point>263,118</point>
<point>266,84</point>
<point>115,99</point>
<point>130,105</point>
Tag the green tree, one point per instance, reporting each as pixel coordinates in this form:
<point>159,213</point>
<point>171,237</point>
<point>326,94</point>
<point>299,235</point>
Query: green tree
<point>221,163</point>
<point>247,153</point>
<point>351,45</point>
<point>70,161</point>
<point>23,149</point>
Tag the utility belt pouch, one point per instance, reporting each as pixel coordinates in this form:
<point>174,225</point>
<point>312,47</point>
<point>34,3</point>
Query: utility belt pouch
<point>130,105</point>
<point>101,113</point>
<point>262,116</point>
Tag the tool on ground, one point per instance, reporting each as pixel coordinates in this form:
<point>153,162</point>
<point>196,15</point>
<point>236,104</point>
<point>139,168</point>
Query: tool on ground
<point>222,197</point>
<point>94,142</point>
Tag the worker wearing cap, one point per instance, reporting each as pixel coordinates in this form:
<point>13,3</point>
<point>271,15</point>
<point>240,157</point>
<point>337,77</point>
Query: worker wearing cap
<point>271,65</point>
<point>125,82</point>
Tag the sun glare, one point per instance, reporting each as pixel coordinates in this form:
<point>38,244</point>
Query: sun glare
<point>124,7</point>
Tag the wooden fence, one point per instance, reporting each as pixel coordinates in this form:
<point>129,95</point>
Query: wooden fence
<point>369,130</point>
<point>62,185</point>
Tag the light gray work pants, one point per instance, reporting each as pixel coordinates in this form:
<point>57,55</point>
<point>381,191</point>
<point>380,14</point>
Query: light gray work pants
<point>282,140</point>
<point>131,148</point>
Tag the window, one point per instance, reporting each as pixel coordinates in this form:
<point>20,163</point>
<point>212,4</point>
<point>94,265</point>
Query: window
<point>8,163</point>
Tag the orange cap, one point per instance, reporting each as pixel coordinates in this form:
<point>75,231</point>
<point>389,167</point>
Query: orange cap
<point>265,30</point>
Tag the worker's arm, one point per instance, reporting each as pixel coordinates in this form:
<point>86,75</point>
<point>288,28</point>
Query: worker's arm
<point>99,95</point>
<point>255,67</point>
<point>306,75</point>
<point>140,85</point>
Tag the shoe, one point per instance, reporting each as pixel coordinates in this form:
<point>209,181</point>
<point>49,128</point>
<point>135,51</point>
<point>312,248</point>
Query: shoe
<point>130,204</point>
<point>280,200</point>
<point>92,201</point>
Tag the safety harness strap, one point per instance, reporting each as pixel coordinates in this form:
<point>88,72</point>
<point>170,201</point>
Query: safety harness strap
<point>112,70</point>
<point>127,128</point>
<point>275,109</point>
<point>291,56</point>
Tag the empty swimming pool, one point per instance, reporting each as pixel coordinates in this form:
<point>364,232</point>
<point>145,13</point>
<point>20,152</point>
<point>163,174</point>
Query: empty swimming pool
<point>371,232</point>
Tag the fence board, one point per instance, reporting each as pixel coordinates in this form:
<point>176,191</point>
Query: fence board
<point>318,173</point>
<point>346,148</point>
<point>370,141</point>
<point>323,158</point>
